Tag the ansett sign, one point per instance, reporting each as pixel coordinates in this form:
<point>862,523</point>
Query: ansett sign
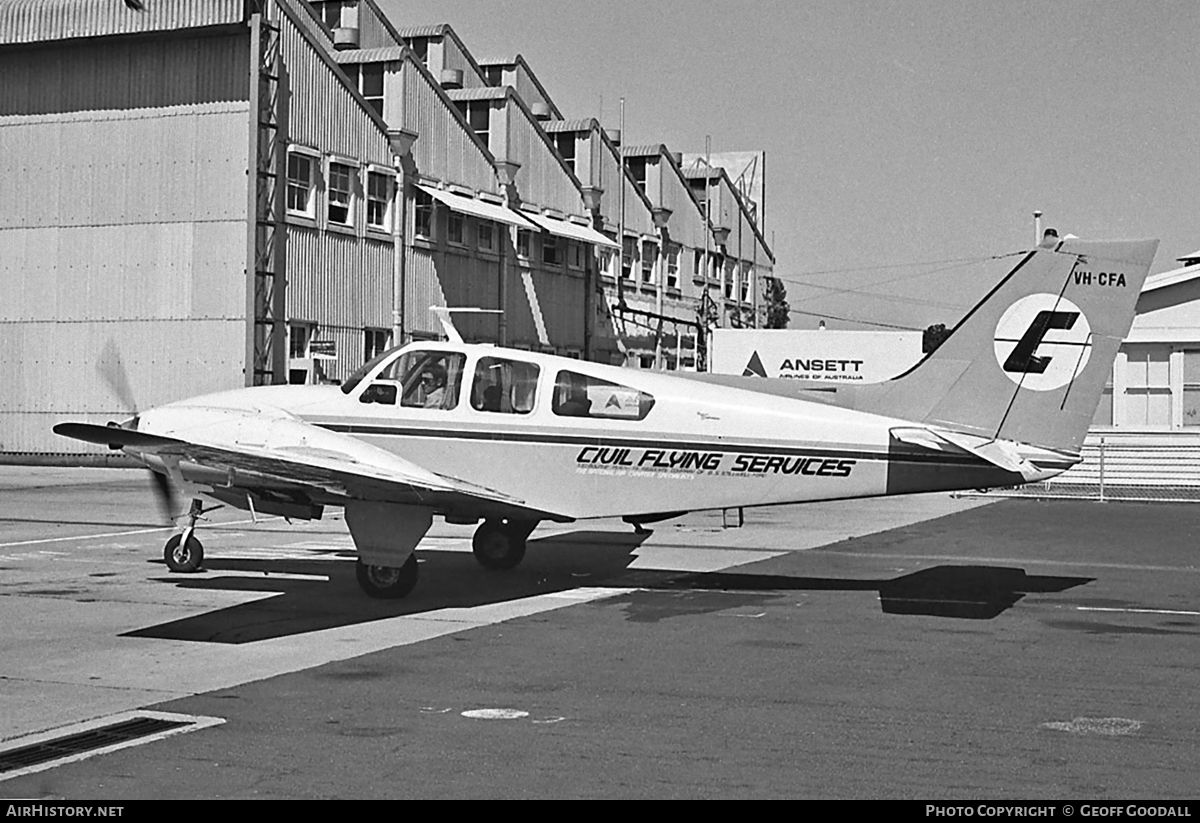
<point>825,356</point>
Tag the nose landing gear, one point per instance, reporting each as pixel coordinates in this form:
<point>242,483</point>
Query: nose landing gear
<point>184,552</point>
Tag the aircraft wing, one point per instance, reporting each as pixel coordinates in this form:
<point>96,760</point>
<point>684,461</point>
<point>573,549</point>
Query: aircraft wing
<point>235,452</point>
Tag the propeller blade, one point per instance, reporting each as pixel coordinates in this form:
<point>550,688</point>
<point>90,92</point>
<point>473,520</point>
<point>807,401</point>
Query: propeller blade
<point>112,370</point>
<point>168,503</point>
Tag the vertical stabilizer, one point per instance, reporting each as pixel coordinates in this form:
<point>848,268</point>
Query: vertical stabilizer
<point>1029,362</point>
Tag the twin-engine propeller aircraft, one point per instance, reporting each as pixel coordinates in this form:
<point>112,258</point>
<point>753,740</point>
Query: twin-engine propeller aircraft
<point>505,438</point>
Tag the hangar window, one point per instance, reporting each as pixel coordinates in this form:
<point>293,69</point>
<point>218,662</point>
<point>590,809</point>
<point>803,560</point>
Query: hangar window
<point>574,254</point>
<point>551,250</point>
<point>628,252</point>
<point>1147,401</point>
<point>375,343</point>
<point>649,255</point>
<point>581,395</point>
<point>422,215</point>
<point>301,193</point>
<point>1191,387</point>
<point>341,194</point>
<point>487,235</point>
<point>379,201</point>
<point>564,142</point>
<point>330,11</point>
<point>456,229</point>
<point>477,113</point>
<point>505,386</point>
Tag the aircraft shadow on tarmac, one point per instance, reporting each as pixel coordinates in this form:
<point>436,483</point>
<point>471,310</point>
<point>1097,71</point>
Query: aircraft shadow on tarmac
<point>554,564</point>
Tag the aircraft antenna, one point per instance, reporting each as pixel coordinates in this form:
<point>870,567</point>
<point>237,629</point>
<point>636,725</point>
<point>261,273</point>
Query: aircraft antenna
<point>443,315</point>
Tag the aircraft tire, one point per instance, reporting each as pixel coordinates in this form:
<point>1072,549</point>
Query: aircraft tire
<point>387,582</point>
<point>185,558</point>
<point>499,545</point>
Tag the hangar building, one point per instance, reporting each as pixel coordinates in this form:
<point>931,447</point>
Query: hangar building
<point>204,195</point>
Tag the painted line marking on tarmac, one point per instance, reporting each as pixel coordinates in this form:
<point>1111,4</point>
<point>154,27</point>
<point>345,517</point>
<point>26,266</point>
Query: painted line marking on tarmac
<point>120,534</point>
<point>269,575</point>
<point>1136,611</point>
<point>1028,561</point>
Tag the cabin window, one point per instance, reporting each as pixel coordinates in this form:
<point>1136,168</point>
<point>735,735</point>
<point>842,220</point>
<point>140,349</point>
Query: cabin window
<point>504,386</point>
<point>419,379</point>
<point>580,395</point>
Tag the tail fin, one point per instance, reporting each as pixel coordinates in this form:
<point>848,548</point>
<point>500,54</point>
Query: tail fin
<point>1029,362</point>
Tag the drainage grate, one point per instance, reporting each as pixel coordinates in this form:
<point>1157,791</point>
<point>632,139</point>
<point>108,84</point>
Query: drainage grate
<point>103,737</point>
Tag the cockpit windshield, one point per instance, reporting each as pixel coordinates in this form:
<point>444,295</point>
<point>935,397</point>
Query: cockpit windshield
<point>362,371</point>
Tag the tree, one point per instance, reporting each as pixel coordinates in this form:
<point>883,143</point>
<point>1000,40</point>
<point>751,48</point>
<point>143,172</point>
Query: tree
<point>777,306</point>
<point>933,337</point>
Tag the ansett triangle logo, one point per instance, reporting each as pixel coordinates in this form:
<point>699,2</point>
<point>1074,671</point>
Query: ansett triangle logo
<point>1043,341</point>
<point>755,367</point>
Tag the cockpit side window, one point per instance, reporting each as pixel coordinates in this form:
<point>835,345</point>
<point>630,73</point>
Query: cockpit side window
<point>504,386</point>
<point>580,395</point>
<point>419,379</point>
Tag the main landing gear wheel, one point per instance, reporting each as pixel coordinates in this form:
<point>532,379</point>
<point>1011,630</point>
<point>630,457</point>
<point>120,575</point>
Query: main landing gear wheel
<point>499,545</point>
<point>183,555</point>
<point>387,582</point>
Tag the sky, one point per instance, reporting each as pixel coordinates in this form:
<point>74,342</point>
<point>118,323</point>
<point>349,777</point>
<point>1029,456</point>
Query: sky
<point>908,143</point>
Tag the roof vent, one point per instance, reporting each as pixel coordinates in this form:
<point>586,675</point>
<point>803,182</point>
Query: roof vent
<point>452,78</point>
<point>541,111</point>
<point>344,38</point>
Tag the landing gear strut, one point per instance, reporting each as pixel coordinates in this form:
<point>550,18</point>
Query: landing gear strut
<point>184,552</point>
<point>500,544</point>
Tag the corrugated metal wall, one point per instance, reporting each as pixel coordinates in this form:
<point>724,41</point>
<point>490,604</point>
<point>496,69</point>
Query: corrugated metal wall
<point>561,300</point>
<point>686,225</point>
<point>121,226</point>
<point>444,149</point>
<point>322,112</point>
<point>637,217</point>
<point>339,281</point>
<point>125,74</point>
<point>26,21</point>
<point>372,33</point>
<point>453,57</point>
<point>541,179</point>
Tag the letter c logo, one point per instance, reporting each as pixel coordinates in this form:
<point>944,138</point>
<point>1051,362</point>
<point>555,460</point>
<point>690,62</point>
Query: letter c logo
<point>1042,342</point>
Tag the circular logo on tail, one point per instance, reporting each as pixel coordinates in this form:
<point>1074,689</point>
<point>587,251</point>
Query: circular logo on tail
<point>1043,341</point>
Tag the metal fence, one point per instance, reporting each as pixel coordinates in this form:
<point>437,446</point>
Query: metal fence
<point>1126,466</point>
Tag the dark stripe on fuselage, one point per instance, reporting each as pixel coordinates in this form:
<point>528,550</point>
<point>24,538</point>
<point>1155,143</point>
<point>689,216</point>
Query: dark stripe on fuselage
<point>558,439</point>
